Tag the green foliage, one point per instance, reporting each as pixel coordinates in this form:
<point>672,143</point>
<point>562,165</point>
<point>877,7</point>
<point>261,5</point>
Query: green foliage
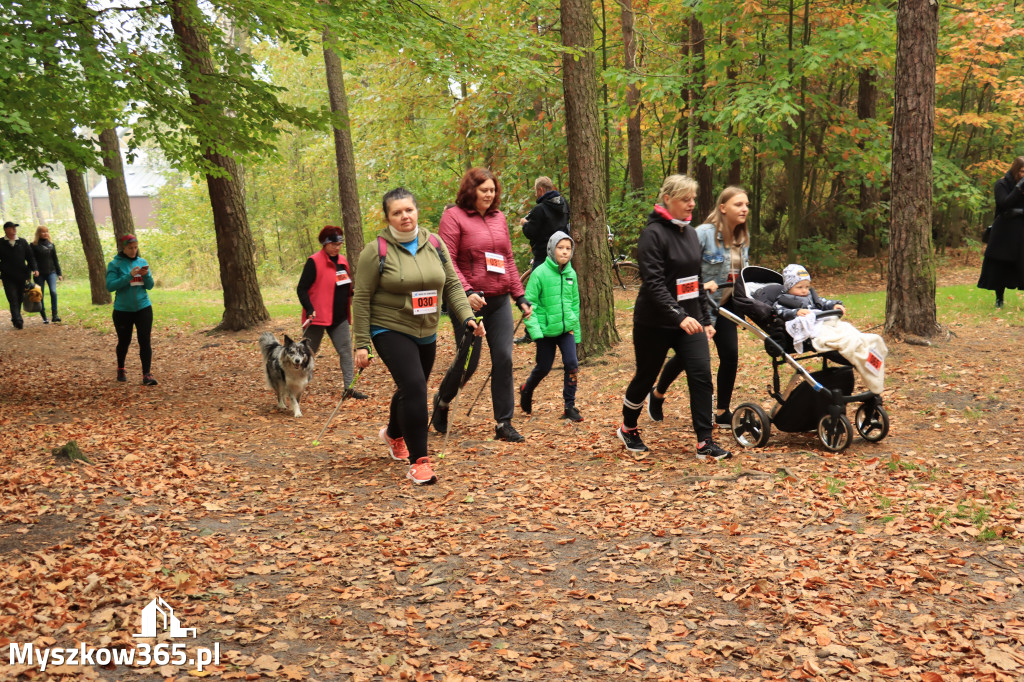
<point>825,255</point>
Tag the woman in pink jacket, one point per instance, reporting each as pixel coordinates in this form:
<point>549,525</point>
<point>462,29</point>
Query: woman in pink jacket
<point>477,237</point>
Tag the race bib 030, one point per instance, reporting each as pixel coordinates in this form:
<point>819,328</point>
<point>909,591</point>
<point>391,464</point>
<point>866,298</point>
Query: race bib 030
<point>424,302</point>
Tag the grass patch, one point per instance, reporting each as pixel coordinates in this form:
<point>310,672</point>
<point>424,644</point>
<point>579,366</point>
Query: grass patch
<point>960,305</point>
<point>173,309</point>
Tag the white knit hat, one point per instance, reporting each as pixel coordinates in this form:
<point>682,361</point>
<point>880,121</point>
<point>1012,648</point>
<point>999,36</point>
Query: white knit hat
<point>793,275</point>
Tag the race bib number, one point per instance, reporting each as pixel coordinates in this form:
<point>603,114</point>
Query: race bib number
<point>875,363</point>
<point>341,278</point>
<point>495,262</point>
<point>687,288</point>
<point>137,281</point>
<point>424,302</point>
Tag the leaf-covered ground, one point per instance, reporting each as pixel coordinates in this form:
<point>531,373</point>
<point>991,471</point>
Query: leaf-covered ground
<point>560,558</point>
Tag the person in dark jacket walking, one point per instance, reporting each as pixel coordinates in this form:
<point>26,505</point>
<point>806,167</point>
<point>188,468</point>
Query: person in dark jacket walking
<point>550,215</point>
<point>49,269</point>
<point>671,311</point>
<point>16,264</point>
<point>325,292</point>
<point>128,276</point>
<point>1003,265</point>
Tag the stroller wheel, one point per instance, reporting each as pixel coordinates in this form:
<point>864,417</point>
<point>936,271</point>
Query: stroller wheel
<point>835,433</point>
<point>751,426</point>
<point>872,422</point>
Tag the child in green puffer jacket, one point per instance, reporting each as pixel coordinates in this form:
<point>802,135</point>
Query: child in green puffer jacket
<point>555,295</point>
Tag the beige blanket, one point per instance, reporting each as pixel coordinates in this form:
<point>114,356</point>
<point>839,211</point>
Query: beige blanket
<point>866,352</point>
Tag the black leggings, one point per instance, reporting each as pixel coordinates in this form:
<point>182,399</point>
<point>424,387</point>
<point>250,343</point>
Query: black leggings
<point>650,346</point>
<point>143,322</point>
<point>727,344</point>
<point>410,364</point>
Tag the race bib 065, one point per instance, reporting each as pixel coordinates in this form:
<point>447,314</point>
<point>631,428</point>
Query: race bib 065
<point>687,288</point>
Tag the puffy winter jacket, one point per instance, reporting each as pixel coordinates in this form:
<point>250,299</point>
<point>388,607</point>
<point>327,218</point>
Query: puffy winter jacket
<point>128,298</point>
<point>469,237</point>
<point>550,215</point>
<point>554,292</point>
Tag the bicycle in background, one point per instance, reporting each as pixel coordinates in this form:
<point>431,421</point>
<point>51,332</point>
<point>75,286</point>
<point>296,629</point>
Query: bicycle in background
<point>625,272</point>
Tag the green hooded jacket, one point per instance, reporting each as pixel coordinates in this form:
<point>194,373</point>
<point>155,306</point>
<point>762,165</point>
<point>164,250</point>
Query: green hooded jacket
<point>554,293</point>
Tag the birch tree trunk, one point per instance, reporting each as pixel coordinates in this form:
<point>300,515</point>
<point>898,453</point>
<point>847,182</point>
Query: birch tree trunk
<point>910,290</point>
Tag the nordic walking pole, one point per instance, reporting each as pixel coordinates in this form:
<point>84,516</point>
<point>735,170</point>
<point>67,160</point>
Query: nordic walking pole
<point>466,339</point>
<point>488,379</point>
<point>344,394</point>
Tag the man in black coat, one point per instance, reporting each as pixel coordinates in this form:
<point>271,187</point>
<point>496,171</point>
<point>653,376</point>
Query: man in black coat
<point>550,215</point>
<point>16,264</point>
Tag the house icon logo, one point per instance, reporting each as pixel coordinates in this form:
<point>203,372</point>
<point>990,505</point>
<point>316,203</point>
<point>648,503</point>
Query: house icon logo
<point>158,615</point>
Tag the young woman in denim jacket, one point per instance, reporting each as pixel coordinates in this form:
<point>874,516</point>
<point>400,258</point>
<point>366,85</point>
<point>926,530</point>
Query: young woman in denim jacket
<point>725,249</point>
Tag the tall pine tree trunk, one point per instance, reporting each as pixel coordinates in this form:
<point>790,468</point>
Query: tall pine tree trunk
<point>348,191</point>
<point>867,232</point>
<point>586,178</point>
<point>243,301</point>
<point>701,169</point>
<point>117,190</point>
<point>683,125</point>
<point>634,138</point>
<point>910,291</point>
<point>90,237</point>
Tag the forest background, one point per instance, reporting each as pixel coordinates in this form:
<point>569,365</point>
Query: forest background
<point>793,100</point>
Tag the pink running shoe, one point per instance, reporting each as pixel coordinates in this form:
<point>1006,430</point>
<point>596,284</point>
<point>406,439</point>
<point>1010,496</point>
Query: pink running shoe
<point>396,445</point>
<point>421,473</point>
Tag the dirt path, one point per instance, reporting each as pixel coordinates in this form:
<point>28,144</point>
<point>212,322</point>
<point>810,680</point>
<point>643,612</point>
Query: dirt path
<point>562,558</point>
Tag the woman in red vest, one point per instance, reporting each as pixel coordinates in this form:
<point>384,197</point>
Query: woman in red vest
<point>325,292</point>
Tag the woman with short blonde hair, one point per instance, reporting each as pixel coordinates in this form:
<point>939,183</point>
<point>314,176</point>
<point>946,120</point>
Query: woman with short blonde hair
<point>671,311</point>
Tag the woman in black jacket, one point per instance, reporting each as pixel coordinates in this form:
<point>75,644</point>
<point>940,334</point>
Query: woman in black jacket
<point>49,269</point>
<point>671,311</point>
<point>1003,266</point>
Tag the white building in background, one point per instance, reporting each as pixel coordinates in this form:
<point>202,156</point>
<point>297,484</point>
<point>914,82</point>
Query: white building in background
<point>143,184</point>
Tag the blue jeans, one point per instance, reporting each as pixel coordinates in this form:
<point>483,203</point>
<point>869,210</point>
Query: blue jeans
<point>546,358</point>
<point>51,281</point>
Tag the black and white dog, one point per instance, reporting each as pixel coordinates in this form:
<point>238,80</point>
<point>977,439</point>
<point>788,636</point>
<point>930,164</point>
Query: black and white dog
<point>289,368</point>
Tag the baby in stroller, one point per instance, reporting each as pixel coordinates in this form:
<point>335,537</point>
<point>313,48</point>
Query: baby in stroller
<point>795,302</point>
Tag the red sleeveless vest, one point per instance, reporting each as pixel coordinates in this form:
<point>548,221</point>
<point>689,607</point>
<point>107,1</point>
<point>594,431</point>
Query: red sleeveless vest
<point>321,294</point>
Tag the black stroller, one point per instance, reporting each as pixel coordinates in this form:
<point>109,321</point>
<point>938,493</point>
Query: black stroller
<point>811,400</point>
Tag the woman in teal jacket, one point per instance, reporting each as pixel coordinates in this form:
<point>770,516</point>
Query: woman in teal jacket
<point>555,295</point>
<point>128,276</point>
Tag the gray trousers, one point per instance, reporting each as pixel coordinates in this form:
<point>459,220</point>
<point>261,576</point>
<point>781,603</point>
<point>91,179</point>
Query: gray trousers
<point>498,324</point>
<point>341,337</point>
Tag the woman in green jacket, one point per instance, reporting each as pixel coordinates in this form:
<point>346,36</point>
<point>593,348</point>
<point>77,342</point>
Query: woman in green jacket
<point>554,293</point>
<point>401,277</point>
<point>128,276</point>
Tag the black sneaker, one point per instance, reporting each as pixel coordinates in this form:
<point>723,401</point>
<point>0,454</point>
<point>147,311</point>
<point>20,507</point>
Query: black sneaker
<point>632,440</point>
<point>525,338</point>
<point>526,399</point>
<point>56,319</point>
<point>999,303</point>
<point>439,417</point>
<point>122,375</point>
<point>572,414</point>
<point>654,406</point>
<point>724,420</point>
<point>710,450</point>
<point>355,395</point>
<point>148,380</point>
<point>505,431</point>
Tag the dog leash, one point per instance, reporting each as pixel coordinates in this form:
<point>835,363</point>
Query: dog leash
<point>488,379</point>
<point>468,338</point>
<point>344,394</point>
